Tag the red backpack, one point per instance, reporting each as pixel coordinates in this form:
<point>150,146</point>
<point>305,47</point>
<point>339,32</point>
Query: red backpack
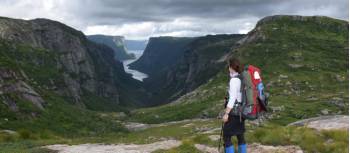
<point>254,100</point>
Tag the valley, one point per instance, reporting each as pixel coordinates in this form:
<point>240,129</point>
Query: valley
<point>61,91</point>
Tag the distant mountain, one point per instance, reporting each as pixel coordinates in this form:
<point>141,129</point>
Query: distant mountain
<point>135,44</point>
<point>160,53</point>
<point>117,43</point>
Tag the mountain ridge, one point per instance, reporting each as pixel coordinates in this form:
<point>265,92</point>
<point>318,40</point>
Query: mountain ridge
<point>160,53</point>
<point>117,43</point>
<point>304,65</point>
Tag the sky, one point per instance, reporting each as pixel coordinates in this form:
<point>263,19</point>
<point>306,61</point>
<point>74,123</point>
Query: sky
<point>141,19</point>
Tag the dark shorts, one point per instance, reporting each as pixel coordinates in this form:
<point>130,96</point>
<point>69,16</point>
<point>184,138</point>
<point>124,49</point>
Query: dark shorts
<point>234,126</point>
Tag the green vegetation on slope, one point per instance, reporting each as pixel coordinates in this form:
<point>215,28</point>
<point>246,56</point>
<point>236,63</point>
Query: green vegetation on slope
<point>59,118</point>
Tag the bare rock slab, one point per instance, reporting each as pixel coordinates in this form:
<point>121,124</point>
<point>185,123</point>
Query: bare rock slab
<point>118,148</point>
<point>258,148</point>
<point>331,122</point>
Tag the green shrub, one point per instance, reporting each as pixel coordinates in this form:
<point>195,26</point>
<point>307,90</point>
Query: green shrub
<point>7,137</point>
<point>25,134</point>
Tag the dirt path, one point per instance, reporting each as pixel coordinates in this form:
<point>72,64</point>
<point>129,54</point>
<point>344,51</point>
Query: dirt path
<point>255,148</point>
<point>118,148</point>
<point>135,126</point>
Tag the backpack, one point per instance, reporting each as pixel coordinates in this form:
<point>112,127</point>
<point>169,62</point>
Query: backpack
<point>254,100</point>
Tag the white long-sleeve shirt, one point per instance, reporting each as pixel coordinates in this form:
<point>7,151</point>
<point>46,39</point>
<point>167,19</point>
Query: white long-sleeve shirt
<point>234,90</point>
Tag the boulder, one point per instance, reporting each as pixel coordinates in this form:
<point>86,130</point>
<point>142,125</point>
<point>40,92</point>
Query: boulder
<point>282,76</point>
<point>324,112</point>
<point>295,66</point>
<point>338,102</point>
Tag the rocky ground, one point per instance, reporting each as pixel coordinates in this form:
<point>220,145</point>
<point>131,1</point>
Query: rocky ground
<point>319,123</point>
<point>167,144</point>
<point>256,148</point>
<point>122,148</point>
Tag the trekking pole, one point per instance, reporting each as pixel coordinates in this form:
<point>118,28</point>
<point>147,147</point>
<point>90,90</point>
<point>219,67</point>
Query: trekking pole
<point>222,127</point>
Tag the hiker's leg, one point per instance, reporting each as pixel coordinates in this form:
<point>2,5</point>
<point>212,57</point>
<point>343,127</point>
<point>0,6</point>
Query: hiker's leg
<point>242,146</point>
<point>240,138</point>
<point>229,148</point>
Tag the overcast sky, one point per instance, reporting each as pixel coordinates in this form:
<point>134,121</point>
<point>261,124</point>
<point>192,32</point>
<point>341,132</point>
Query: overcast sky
<point>140,19</point>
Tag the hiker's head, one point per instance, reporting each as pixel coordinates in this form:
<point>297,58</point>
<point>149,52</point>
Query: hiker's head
<point>234,65</point>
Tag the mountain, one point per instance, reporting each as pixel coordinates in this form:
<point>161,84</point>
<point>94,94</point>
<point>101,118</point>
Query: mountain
<point>41,57</point>
<point>304,63</point>
<point>117,43</point>
<point>135,44</point>
<point>201,59</point>
<point>160,53</point>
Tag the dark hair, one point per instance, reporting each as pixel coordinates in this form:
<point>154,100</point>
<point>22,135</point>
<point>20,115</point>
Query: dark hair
<point>235,64</point>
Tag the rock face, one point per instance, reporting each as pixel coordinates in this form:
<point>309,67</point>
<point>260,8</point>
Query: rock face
<point>117,43</point>
<point>85,68</point>
<point>12,83</point>
<point>201,60</point>
<point>160,53</point>
<point>325,122</point>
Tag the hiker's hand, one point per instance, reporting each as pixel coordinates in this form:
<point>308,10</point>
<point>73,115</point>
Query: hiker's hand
<point>225,118</point>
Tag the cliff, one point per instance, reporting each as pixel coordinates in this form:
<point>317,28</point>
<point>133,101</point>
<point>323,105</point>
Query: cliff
<point>117,43</point>
<point>201,60</point>
<point>41,57</point>
<point>160,53</point>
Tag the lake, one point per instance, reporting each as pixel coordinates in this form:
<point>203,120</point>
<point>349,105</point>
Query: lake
<point>135,74</point>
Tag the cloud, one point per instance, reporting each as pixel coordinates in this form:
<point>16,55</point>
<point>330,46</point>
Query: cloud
<point>140,19</point>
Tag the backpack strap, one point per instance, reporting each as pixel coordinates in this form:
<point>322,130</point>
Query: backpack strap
<point>240,78</point>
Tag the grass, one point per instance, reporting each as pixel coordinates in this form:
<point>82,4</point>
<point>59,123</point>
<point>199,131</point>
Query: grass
<point>308,139</point>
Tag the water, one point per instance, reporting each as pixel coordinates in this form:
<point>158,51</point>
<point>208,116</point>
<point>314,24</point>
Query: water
<point>135,74</point>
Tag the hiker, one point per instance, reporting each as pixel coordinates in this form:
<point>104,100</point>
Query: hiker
<point>233,124</point>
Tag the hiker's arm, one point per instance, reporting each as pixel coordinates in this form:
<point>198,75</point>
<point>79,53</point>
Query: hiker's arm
<point>235,85</point>
<point>234,89</point>
<point>227,111</point>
